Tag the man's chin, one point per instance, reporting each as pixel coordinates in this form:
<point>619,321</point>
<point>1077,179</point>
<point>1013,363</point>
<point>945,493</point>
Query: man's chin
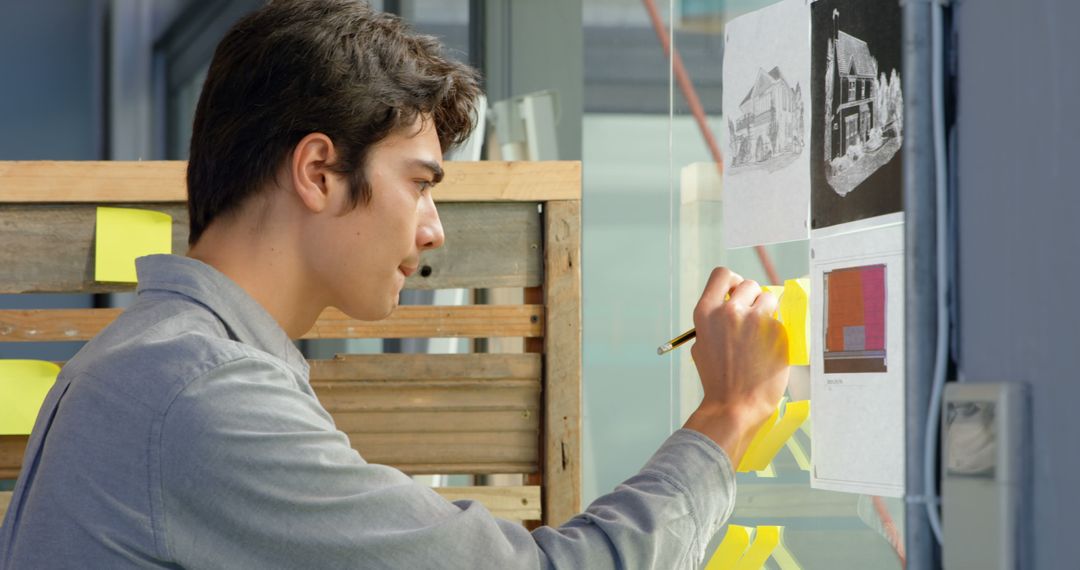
<point>370,313</point>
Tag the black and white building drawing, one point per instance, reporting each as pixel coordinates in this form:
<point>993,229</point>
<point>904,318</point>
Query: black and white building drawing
<point>863,111</point>
<point>768,130</point>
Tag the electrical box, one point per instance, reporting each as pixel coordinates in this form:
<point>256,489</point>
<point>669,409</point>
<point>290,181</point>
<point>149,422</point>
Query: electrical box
<point>985,464</point>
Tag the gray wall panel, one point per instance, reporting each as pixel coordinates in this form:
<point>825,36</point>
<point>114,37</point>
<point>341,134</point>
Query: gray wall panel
<point>1018,152</point>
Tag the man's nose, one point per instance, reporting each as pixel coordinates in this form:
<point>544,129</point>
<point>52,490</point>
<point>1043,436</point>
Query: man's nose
<point>429,235</point>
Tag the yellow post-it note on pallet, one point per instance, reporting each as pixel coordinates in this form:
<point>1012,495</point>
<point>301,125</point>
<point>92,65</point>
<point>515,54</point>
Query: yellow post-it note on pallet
<point>124,234</point>
<point>23,387</point>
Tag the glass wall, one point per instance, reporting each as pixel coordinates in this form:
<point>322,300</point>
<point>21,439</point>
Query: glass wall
<point>652,233</point>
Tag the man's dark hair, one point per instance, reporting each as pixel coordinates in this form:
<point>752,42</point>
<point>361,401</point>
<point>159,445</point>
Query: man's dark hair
<point>296,67</point>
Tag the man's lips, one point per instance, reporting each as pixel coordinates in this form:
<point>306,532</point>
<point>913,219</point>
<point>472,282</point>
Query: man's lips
<point>407,271</point>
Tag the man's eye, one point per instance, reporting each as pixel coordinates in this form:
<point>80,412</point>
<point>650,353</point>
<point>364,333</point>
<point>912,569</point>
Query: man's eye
<point>423,185</point>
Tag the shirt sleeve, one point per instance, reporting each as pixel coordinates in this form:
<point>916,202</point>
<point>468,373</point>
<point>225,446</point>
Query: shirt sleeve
<point>253,474</point>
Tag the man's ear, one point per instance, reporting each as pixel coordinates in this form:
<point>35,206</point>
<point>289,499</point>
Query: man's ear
<point>310,173</point>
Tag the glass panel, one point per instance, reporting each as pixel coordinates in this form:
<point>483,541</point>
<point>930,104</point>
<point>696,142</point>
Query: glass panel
<point>822,529</point>
<point>627,235</point>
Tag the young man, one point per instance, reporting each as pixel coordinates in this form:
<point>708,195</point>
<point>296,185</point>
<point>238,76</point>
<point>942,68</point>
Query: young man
<point>186,435</point>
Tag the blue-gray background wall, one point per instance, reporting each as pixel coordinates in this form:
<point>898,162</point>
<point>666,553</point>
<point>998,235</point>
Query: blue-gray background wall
<point>50,109</point>
<point>1019,202</point>
<point>50,103</point>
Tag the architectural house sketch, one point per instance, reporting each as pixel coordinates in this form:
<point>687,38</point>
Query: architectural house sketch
<point>856,112</point>
<point>863,111</point>
<point>769,129</point>
<point>767,126</point>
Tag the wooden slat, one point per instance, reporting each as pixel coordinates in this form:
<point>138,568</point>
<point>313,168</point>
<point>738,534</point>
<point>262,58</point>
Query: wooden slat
<point>415,321</point>
<point>432,367</point>
<point>50,248</point>
<point>164,181</point>
<point>465,452</point>
<point>421,413</point>
<point>414,453</point>
<point>515,503</point>
<point>562,348</point>
<point>409,321</point>
<point>12,448</point>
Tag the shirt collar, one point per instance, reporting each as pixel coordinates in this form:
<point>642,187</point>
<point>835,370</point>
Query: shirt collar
<point>245,318</point>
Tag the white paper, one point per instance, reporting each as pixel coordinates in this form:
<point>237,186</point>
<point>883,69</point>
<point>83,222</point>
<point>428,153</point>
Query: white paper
<point>767,125</point>
<point>858,408</point>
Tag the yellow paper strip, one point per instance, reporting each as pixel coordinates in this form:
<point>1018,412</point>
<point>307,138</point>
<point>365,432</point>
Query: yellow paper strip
<point>757,457</point>
<point>795,312</point>
<point>747,461</point>
<point>765,540</point>
<point>731,549</point>
<point>124,234</point>
<point>23,387</point>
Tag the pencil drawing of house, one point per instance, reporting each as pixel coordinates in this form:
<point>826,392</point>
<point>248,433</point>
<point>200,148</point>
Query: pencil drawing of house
<point>863,111</point>
<point>769,125</point>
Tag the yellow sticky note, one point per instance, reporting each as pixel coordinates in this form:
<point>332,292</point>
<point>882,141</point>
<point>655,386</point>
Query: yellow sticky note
<point>124,234</point>
<point>731,549</point>
<point>762,451</point>
<point>747,462</point>
<point>765,540</point>
<point>23,387</point>
<point>795,312</point>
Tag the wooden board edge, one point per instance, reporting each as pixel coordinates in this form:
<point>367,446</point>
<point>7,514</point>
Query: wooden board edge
<point>165,181</point>
<point>562,354</point>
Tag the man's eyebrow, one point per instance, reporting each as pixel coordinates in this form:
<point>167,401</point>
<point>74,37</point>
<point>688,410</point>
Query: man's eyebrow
<point>436,170</point>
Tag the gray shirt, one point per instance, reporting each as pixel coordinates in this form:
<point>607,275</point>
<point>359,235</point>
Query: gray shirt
<point>187,435</point>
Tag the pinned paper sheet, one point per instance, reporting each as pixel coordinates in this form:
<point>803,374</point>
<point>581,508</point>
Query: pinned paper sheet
<point>124,234</point>
<point>23,387</point>
<point>737,552</point>
<point>772,436</point>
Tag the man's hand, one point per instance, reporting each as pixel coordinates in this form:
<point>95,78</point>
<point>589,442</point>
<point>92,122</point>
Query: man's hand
<point>741,356</point>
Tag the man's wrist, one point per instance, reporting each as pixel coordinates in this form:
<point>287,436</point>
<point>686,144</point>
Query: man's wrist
<point>730,427</point>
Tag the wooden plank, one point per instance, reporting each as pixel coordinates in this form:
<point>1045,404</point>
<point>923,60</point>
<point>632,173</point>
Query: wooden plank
<point>562,349</point>
<point>50,248</point>
<point>463,452</point>
<point>164,181</point>
<point>12,448</point>
<point>420,321</point>
<point>407,321</point>
<point>400,367</point>
<point>515,503</point>
<point>422,413</point>
<point>413,453</point>
<point>430,396</point>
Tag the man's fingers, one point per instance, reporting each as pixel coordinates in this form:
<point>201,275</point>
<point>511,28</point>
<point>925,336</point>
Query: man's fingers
<point>745,293</point>
<point>721,282</point>
<point>766,303</point>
